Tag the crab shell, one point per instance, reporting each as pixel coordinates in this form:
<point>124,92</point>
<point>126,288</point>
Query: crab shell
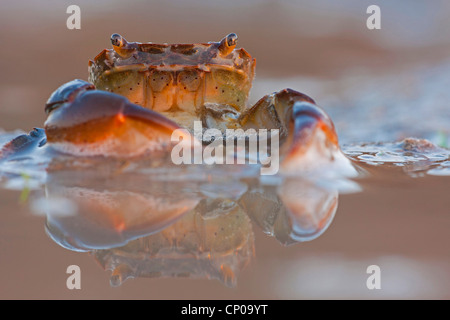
<point>179,79</point>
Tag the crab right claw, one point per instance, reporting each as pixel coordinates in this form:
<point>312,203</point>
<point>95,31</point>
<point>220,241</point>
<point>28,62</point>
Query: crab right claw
<point>85,121</point>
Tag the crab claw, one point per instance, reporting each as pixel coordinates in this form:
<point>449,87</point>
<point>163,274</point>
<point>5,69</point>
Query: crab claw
<point>312,143</point>
<point>94,122</point>
<point>67,93</point>
<point>308,139</point>
<point>311,136</point>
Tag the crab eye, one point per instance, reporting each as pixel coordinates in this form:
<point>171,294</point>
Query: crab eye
<point>116,40</point>
<point>232,39</point>
<point>227,44</point>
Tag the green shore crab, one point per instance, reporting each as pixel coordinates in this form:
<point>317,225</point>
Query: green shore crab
<point>139,93</point>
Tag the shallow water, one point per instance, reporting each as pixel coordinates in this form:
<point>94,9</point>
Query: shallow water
<point>152,232</point>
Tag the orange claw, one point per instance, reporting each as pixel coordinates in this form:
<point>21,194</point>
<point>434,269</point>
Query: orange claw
<point>307,134</point>
<point>311,137</point>
<point>102,123</point>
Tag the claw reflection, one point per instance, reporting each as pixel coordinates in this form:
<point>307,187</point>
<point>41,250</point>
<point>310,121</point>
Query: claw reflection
<point>137,225</point>
<point>105,211</point>
<point>298,210</point>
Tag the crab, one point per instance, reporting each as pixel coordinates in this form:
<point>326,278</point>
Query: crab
<point>139,93</point>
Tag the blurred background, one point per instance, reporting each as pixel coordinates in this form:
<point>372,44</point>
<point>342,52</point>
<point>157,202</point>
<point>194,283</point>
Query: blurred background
<point>376,84</point>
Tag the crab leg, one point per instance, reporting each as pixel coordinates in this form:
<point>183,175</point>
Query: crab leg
<point>306,131</point>
<point>23,145</point>
<point>102,123</point>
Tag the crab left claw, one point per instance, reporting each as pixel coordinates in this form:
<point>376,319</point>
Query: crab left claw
<point>85,121</point>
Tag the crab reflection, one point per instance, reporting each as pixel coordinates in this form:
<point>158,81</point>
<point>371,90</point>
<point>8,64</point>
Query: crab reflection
<point>138,225</point>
